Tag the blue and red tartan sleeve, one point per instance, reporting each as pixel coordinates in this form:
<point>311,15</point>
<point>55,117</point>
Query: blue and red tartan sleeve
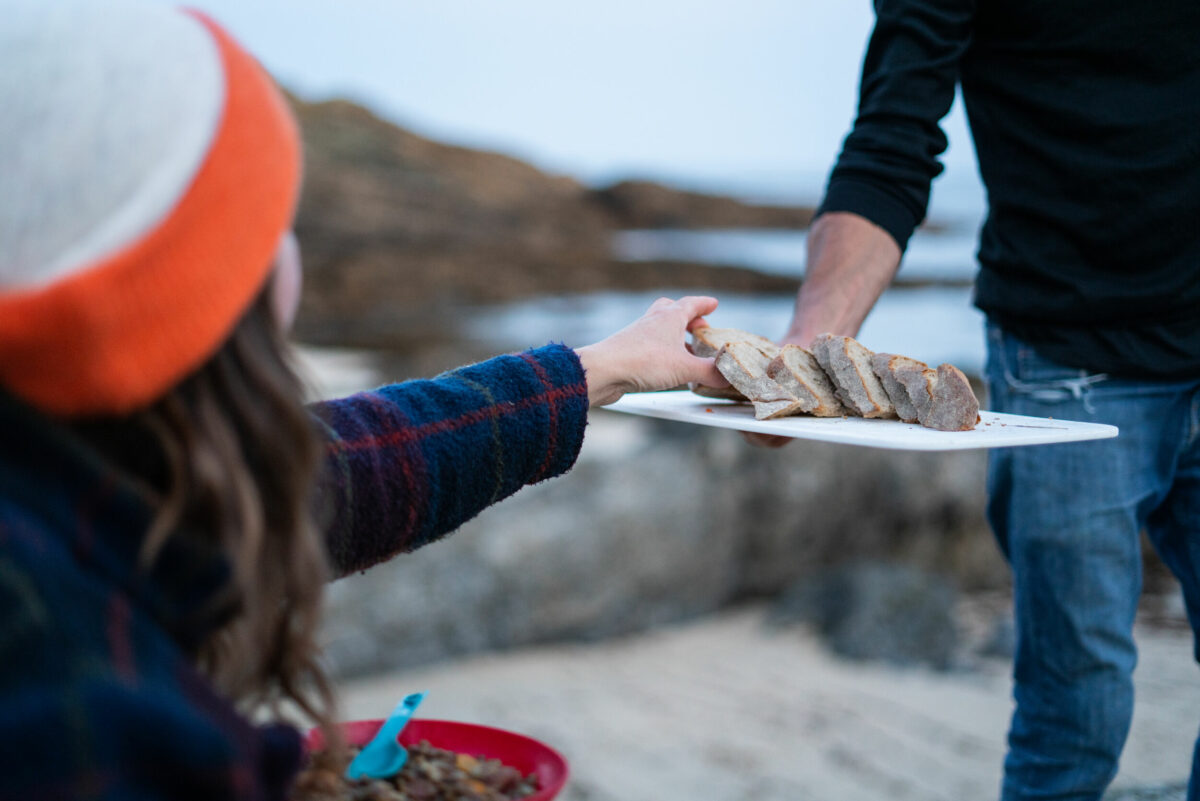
<point>410,462</point>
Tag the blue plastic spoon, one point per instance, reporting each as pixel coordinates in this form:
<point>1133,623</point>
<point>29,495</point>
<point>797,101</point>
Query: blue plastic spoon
<point>383,757</point>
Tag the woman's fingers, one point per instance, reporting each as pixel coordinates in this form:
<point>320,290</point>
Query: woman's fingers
<point>699,370</point>
<point>697,305</point>
<point>703,371</point>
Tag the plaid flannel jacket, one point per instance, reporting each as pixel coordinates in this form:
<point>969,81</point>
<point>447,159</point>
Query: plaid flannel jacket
<point>98,698</point>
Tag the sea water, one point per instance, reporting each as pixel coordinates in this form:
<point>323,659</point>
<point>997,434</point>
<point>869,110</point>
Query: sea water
<point>930,257</point>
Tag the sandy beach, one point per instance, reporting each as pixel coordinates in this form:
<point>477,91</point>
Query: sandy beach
<point>728,708</point>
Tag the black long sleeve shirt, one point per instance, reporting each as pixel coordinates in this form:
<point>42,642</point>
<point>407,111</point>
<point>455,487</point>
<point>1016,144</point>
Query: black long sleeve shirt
<point>1086,120</point>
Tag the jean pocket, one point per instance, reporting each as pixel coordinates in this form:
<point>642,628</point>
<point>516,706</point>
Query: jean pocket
<point>1026,373</point>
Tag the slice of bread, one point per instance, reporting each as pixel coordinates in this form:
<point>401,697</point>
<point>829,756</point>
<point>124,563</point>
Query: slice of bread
<point>887,366</point>
<point>943,397</point>
<point>798,372</point>
<point>848,364</point>
<point>954,406</point>
<point>745,366</point>
<point>707,341</point>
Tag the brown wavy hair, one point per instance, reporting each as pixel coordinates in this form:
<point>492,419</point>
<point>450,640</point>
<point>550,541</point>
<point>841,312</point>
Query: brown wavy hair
<point>231,454</point>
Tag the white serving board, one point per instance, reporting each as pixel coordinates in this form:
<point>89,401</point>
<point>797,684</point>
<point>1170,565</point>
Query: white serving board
<point>994,430</point>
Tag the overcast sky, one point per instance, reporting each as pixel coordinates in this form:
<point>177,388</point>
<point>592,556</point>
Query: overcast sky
<point>752,97</point>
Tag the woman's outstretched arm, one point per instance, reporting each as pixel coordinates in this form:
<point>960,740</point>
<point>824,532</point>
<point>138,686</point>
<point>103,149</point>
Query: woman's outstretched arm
<point>410,462</point>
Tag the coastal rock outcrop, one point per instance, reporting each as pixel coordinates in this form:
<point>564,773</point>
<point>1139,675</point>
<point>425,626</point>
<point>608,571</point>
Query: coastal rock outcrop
<point>661,522</point>
<point>646,204</point>
<point>399,232</point>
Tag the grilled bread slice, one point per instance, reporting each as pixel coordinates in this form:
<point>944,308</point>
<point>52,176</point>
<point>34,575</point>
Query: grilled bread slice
<point>887,366</point>
<point>745,366</point>
<point>848,364</point>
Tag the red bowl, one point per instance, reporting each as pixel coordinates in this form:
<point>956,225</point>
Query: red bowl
<point>515,750</point>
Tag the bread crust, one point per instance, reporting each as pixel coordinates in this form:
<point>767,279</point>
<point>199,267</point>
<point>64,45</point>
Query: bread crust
<point>707,341</point>
<point>724,393</point>
<point>954,406</point>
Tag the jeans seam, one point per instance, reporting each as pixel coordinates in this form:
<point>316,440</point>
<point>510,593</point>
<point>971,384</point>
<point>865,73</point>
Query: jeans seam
<point>1194,422</point>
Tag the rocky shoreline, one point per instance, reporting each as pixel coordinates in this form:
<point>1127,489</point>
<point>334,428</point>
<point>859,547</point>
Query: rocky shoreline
<point>400,232</point>
<point>661,522</point>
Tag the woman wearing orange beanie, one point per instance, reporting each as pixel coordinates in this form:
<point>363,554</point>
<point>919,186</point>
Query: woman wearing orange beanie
<point>168,508</point>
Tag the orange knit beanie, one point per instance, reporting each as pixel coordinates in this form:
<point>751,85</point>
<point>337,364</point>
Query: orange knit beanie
<point>148,169</point>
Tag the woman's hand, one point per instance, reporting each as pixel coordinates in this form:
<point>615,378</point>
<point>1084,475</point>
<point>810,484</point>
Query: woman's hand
<point>650,353</point>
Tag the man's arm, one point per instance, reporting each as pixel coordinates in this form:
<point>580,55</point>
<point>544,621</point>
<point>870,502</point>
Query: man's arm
<point>879,189</point>
<point>851,260</point>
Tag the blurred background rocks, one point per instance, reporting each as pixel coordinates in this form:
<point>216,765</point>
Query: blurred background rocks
<point>420,256</point>
<point>661,522</point>
<point>399,232</point>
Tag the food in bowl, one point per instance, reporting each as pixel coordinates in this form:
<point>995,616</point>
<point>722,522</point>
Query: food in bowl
<point>430,774</point>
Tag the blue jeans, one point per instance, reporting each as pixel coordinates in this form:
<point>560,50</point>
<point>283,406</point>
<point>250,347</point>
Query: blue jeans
<point>1068,519</point>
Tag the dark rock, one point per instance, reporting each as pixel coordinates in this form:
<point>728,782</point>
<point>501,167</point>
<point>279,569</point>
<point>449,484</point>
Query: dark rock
<point>651,528</point>
<point>878,611</point>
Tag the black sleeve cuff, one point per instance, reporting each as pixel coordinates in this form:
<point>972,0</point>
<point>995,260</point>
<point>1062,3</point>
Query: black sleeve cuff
<point>873,203</point>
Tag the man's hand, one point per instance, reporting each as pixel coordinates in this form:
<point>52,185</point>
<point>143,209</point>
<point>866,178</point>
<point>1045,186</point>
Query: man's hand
<point>650,353</point>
